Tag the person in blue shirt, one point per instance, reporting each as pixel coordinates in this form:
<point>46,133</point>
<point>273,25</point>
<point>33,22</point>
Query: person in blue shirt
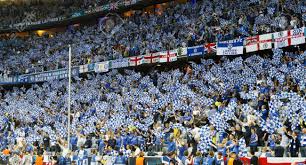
<point>124,140</point>
<point>133,140</point>
<point>219,159</point>
<point>118,141</point>
<point>141,141</point>
<point>253,140</point>
<point>197,160</point>
<point>230,143</point>
<point>211,158</point>
<point>171,145</point>
<point>73,142</point>
<point>120,159</point>
<point>182,150</point>
<point>184,157</point>
<point>236,146</point>
<point>101,146</point>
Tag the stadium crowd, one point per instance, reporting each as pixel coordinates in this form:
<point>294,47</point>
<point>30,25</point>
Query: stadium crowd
<point>197,113</point>
<point>14,12</point>
<point>179,25</point>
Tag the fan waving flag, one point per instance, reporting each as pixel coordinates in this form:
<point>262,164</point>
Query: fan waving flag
<point>282,39</point>
<point>231,47</point>
<point>210,47</point>
<point>195,51</point>
<point>297,36</point>
<point>151,58</point>
<point>135,61</point>
<point>265,41</point>
<point>168,56</point>
<point>252,44</point>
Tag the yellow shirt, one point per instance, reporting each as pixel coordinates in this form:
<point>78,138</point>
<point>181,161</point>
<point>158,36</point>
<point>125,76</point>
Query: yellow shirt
<point>176,132</point>
<point>217,103</point>
<point>140,161</point>
<point>230,161</point>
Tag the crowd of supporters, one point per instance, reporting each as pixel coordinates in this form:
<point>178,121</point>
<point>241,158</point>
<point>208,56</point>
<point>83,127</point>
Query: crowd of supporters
<point>14,12</point>
<point>202,111</point>
<point>208,112</point>
<point>179,25</point>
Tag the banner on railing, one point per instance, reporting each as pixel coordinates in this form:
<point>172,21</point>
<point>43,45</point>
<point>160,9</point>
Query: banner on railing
<point>297,36</point>
<point>47,76</point>
<point>210,47</point>
<point>265,41</point>
<point>135,61</point>
<point>119,63</point>
<point>232,47</point>
<point>168,56</point>
<point>151,58</point>
<point>252,44</point>
<point>282,39</point>
<point>87,68</point>
<point>102,67</point>
<point>196,51</point>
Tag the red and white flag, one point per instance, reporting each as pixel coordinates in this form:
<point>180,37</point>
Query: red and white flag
<point>168,56</point>
<point>265,41</point>
<point>135,61</point>
<point>151,58</point>
<point>282,39</point>
<point>210,47</point>
<point>297,36</point>
<point>252,44</point>
<point>276,161</point>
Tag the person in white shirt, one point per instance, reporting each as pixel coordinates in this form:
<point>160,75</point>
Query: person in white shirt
<point>27,159</point>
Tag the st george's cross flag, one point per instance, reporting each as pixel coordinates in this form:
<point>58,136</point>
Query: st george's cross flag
<point>265,41</point>
<point>151,58</point>
<point>135,61</point>
<point>168,56</point>
<point>258,42</point>
<point>282,39</point>
<point>252,44</point>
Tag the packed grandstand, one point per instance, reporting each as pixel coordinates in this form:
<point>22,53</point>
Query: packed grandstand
<point>180,82</point>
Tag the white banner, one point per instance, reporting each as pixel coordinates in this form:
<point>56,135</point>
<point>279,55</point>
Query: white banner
<point>232,47</point>
<point>297,36</point>
<point>102,67</point>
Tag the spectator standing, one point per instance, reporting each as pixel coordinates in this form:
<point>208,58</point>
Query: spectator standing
<point>294,146</point>
<point>253,140</point>
<point>303,143</point>
<point>140,159</point>
<point>254,158</point>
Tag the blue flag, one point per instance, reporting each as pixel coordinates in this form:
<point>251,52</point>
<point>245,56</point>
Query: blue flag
<point>195,51</point>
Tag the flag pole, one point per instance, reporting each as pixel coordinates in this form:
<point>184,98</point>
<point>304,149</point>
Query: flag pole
<point>69,95</point>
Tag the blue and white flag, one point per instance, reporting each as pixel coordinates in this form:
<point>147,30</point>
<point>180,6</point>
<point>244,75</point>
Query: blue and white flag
<point>231,47</point>
<point>119,63</point>
<point>195,51</point>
